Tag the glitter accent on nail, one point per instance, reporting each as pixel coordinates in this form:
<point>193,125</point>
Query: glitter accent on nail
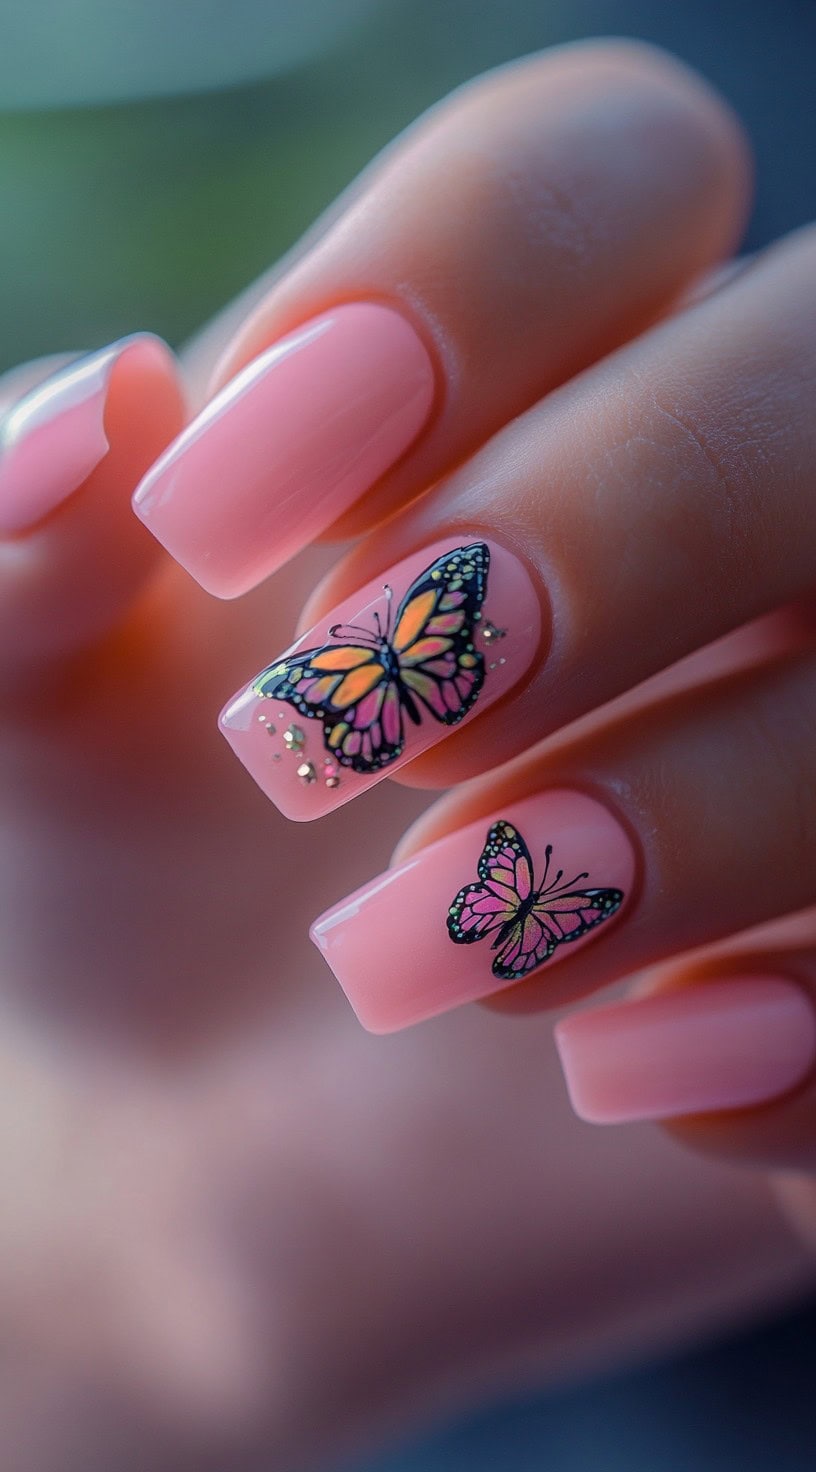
<point>294,738</point>
<point>491,634</point>
<point>307,773</point>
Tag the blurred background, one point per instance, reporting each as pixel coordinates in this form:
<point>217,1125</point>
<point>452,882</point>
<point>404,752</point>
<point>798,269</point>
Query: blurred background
<point>155,155</point>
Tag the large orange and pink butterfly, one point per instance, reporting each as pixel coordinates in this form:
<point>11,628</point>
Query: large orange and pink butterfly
<point>363,683</point>
<point>527,923</point>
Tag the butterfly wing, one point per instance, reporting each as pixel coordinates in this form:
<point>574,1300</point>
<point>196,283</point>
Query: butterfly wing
<point>505,880</point>
<point>361,702</point>
<point>346,686</point>
<point>527,945</point>
<point>433,639</point>
<point>555,918</point>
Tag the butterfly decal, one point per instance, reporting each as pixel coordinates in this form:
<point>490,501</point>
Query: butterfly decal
<point>363,683</point>
<point>527,923</point>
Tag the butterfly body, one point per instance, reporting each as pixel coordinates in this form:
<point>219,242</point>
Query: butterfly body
<point>526,923</point>
<point>362,683</point>
<point>389,660</point>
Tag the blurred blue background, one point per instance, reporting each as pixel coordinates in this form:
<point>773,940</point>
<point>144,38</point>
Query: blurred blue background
<point>155,155</point>
<point>742,1406</point>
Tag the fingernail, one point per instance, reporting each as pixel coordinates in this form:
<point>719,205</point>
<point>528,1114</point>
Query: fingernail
<point>711,1046</point>
<point>479,910</point>
<point>54,436</point>
<point>388,673</point>
<point>288,445</point>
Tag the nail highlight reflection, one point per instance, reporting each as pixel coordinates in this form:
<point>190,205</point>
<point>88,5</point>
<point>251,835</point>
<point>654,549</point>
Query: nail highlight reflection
<point>54,436</point>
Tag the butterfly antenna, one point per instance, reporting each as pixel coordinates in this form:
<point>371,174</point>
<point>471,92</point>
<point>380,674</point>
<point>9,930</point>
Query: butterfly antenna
<point>389,595</point>
<point>547,857</point>
<point>340,631</point>
<point>576,880</point>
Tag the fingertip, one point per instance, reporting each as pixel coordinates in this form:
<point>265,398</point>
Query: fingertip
<point>730,1044</point>
<point>691,122</point>
<point>74,557</point>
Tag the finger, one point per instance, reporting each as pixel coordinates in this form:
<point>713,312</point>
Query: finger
<point>724,1048</point>
<point>658,834</point>
<point>73,444</point>
<point>535,220</point>
<point>587,521</point>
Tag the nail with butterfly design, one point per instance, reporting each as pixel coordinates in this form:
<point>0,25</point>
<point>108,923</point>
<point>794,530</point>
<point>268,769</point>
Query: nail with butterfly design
<point>525,923</point>
<point>434,641</point>
<point>546,876</point>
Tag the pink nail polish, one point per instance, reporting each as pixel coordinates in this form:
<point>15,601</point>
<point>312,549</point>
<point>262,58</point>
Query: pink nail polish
<point>479,910</point>
<point>712,1046</point>
<point>288,445</point>
<point>54,436</point>
<point>391,671</point>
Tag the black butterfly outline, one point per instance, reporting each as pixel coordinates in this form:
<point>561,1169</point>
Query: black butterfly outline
<point>527,930</point>
<point>303,681</point>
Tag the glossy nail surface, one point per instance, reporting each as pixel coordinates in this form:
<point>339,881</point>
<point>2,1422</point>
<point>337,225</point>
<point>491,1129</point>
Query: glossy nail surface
<point>54,436</point>
<point>712,1046</point>
<point>480,909</point>
<point>288,445</point>
<point>389,673</point>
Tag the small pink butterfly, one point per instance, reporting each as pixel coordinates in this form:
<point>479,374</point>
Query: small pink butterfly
<point>527,923</point>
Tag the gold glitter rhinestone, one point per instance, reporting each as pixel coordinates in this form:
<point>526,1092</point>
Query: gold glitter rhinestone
<point>306,772</point>
<point>491,634</point>
<point>333,781</point>
<point>271,729</point>
<point>294,738</point>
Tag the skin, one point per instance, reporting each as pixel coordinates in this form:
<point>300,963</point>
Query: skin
<point>224,1177</point>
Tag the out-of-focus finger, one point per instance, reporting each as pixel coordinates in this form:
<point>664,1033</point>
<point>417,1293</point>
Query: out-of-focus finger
<point>72,446</point>
<point>723,1051</point>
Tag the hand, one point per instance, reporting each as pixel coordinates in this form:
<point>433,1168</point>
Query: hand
<point>273,1227</point>
<point>621,473</point>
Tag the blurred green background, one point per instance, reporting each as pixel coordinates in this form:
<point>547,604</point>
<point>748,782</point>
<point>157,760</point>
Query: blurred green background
<point>151,212</point>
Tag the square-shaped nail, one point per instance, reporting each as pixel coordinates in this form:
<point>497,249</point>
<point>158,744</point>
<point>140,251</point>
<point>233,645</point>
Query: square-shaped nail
<point>288,445</point>
<point>480,909</point>
<point>391,671</point>
<point>721,1044</point>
